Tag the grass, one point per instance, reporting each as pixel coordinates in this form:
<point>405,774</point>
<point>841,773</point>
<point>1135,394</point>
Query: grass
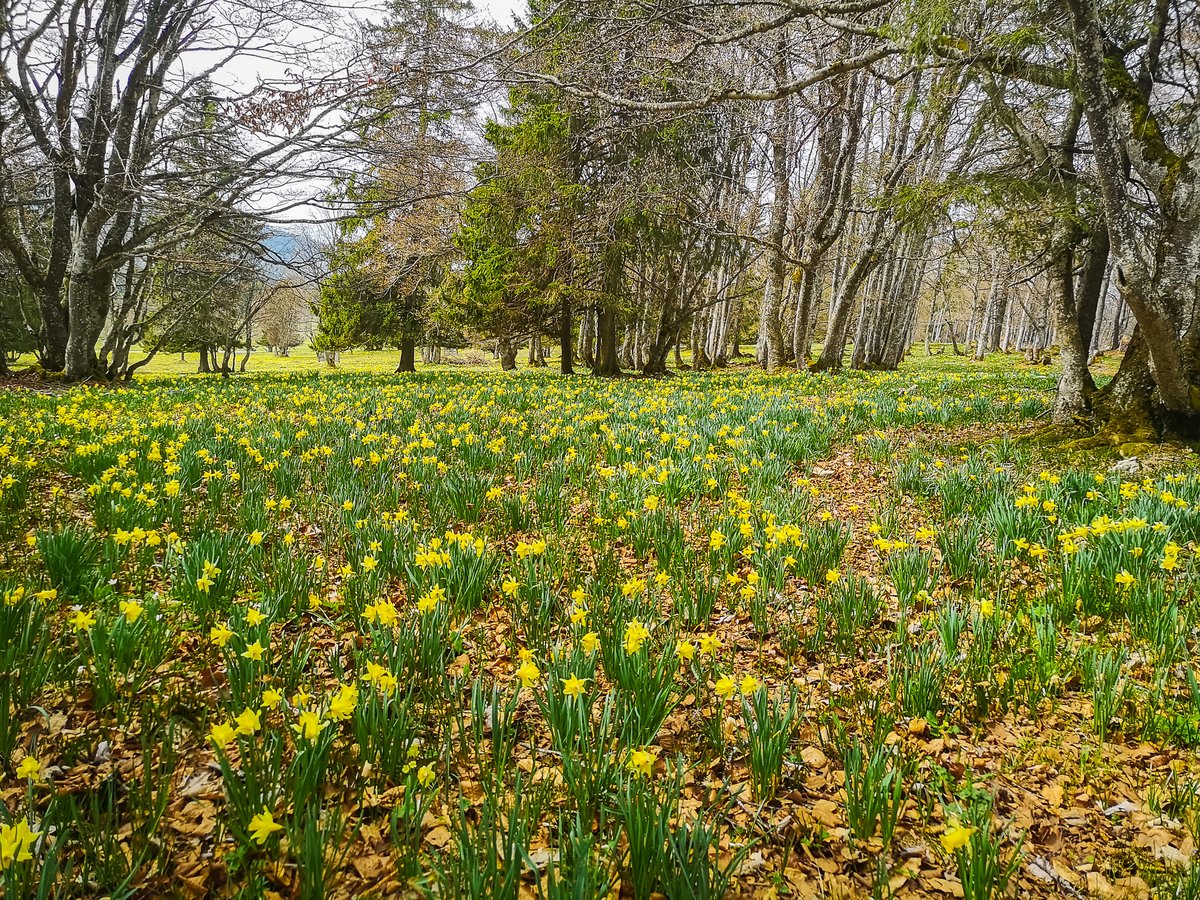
<point>380,362</point>
<point>263,362</point>
<point>471,633</point>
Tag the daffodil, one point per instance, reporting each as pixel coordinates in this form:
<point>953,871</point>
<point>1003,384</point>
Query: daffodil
<point>16,843</point>
<point>430,600</point>
<point>309,725</point>
<point>635,635</point>
<point>709,644</point>
<point>131,610</point>
<point>633,587</point>
<point>221,734</point>
<point>344,702</point>
<point>386,613</point>
<point>573,686</point>
<point>29,768</point>
<point>642,762</point>
<point>248,722</point>
<point>956,836</point>
<point>529,674</point>
<point>262,826</point>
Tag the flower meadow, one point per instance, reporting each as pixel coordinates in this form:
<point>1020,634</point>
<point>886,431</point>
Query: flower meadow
<point>477,635</point>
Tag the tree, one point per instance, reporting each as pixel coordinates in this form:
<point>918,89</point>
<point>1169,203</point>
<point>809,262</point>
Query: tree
<point>285,317</point>
<point>517,233</point>
<point>1100,98</point>
<point>17,334</point>
<point>1141,107</point>
<point>357,308</point>
<point>203,298</point>
<point>1124,79</point>
<point>394,247</point>
<point>116,145</point>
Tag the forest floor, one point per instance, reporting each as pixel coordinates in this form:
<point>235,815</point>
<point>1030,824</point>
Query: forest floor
<point>464,633</point>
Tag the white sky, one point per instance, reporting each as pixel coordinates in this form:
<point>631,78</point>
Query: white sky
<point>245,72</point>
<point>500,11</point>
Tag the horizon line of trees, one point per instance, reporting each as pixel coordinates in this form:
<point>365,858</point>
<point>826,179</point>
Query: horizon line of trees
<point>814,185</point>
<point>818,186</point>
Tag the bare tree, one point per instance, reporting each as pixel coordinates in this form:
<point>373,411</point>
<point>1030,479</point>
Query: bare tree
<point>118,143</point>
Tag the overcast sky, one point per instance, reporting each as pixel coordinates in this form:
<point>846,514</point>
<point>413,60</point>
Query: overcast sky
<point>245,72</point>
<point>500,11</point>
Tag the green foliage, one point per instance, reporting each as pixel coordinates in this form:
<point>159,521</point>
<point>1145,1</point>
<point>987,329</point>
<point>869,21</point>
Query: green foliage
<point>19,319</point>
<point>517,231</point>
<point>354,309</point>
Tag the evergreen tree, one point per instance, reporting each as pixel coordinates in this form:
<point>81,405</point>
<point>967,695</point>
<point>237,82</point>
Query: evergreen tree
<point>396,248</point>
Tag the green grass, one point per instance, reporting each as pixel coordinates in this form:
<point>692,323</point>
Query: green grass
<point>304,359</point>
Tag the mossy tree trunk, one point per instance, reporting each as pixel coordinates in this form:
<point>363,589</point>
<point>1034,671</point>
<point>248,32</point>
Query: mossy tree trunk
<point>1155,246</point>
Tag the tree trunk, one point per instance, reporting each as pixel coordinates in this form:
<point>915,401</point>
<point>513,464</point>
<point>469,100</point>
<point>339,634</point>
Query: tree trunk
<point>566,339</point>
<point>88,299</point>
<point>983,336</point>
<point>249,336</point>
<point>607,363</point>
<point>772,341</point>
<point>843,304</point>
<point>1125,405</point>
<point>408,356</point>
<point>625,357</point>
<point>535,350</point>
<point>587,338</point>
<point>1091,287</point>
<point>52,337</point>
<point>954,341</point>
<point>507,351</point>
<point>1158,288</point>
<point>1071,400</point>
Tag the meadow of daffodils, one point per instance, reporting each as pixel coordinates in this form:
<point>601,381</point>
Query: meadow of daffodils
<point>472,635</point>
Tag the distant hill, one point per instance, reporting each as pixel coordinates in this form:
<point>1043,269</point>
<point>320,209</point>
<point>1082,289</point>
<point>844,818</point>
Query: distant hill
<point>283,247</point>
